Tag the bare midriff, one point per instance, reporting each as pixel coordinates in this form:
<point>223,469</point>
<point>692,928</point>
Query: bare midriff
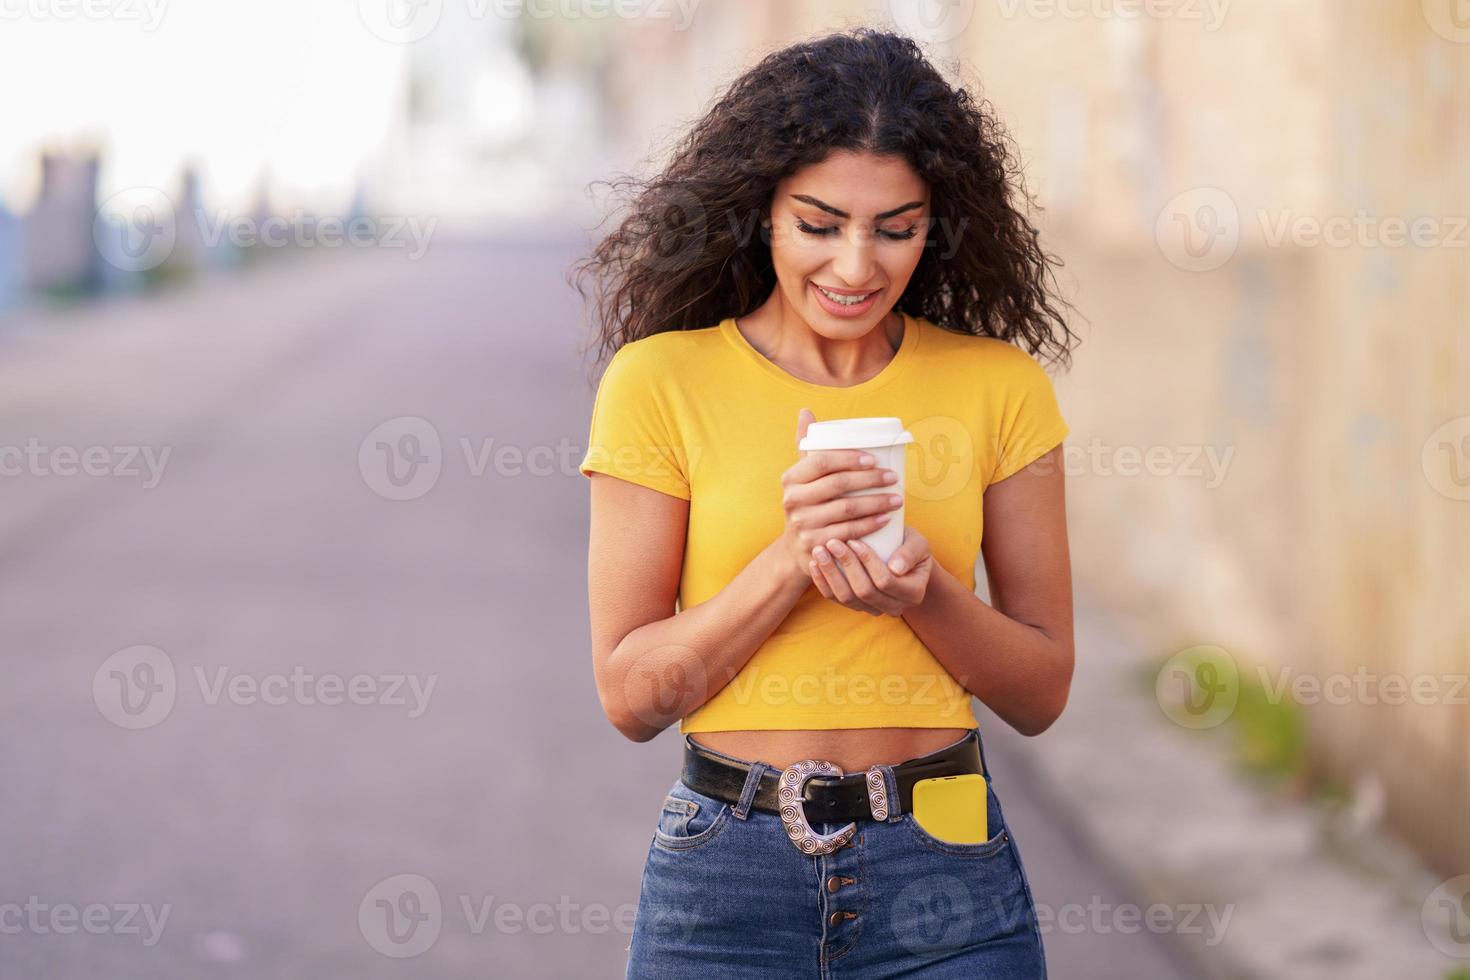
<point>850,749</point>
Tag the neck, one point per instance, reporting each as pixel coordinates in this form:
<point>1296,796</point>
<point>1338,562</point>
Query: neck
<point>784,337</point>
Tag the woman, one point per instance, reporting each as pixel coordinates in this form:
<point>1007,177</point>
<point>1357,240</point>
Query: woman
<point>835,238</point>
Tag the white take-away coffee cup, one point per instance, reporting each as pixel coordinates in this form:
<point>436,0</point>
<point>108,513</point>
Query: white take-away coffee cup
<point>886,439</point>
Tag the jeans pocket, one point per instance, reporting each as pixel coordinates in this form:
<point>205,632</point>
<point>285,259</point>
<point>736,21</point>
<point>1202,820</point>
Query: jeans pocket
<point>994,824</point>
<point>689,819</point>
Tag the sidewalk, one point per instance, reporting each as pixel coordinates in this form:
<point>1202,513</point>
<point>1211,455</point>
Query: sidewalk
<point>1161,807</point>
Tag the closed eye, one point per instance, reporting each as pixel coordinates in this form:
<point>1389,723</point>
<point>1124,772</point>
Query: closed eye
<point>822,230</point>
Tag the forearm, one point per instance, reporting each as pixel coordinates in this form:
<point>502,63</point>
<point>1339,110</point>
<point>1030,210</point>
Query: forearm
<point>1020,672</point>
<point>665,669</point>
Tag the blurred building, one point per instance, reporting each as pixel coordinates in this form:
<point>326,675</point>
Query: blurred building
<point>12,253</point>
<point>59,254</point>
<point>464,141</point>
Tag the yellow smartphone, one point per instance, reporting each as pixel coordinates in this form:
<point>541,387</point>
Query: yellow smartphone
<point>953,808</point>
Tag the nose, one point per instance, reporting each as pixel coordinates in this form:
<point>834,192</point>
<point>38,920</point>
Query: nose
<point>854,262</point>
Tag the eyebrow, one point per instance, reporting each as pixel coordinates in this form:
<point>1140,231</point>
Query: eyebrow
<point>814,202</point>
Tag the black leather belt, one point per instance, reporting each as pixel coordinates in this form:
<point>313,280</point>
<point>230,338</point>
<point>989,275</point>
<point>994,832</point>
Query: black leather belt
<point>841,799</point>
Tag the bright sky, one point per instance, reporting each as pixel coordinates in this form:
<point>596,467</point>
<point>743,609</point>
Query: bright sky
<point>300,87</point>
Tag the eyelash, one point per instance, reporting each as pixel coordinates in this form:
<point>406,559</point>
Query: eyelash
<point>893,235</point>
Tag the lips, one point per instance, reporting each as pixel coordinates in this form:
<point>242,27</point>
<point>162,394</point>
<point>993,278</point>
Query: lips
<point>845,292</point>
<point>846,307</point>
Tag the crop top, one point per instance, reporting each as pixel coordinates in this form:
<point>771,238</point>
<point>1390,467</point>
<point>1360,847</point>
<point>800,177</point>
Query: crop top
<point>700,414</point>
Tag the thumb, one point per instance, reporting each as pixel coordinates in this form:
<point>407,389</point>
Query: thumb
<point>804,418</point>
<point>902,560</point>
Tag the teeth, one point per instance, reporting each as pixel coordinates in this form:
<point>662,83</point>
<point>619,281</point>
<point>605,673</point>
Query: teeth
<point>845,300</point>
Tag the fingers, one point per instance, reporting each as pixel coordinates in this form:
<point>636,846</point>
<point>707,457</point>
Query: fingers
<point>836,582</point>
<point>817,463</point>
<point>851,517</point>
<point>908,555</point>
<point>878,573</point>
<point>819,579</point>
<point>841,505</point>
<point>858,581</point>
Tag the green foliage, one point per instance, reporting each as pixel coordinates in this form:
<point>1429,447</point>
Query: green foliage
<point>1269,735</point>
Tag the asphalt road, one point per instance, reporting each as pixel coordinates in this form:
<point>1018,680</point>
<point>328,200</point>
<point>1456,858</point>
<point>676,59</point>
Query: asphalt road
<point>291,692</point>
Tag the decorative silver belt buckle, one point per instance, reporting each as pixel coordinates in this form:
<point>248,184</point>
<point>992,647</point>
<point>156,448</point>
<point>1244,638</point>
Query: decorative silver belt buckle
<point>793,816</point>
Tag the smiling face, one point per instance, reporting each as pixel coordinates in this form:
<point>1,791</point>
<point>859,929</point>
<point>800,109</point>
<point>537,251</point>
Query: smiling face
<point>846,235</point>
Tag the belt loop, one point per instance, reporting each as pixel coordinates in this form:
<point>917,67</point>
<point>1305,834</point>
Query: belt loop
<point>752,786</point>
<point>895,802</point>
<point>883,798</point>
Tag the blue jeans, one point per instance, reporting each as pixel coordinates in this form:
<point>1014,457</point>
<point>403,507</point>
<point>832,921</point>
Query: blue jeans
<point>726,895</point>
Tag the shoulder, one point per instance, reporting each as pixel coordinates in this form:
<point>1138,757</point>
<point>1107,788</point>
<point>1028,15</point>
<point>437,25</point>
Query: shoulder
<point>664,354</point>
<point>990,360</point>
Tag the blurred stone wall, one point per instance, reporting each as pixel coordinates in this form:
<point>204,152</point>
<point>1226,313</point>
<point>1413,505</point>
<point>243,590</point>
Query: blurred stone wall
<point>1238,208</point>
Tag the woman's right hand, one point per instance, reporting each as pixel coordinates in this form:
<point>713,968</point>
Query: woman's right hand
<point>812,496</point>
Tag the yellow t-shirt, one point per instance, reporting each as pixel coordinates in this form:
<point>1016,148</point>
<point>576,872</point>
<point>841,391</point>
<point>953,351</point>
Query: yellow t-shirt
<point>702,415</point>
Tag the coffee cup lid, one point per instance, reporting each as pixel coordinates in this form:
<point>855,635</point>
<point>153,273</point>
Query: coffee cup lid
<point>863,433</point>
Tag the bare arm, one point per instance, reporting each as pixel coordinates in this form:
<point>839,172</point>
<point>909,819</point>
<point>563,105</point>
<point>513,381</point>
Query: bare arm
<point>653,666</point>
<point>1016,656</point>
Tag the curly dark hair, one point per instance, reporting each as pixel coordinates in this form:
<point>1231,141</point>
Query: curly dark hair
<point>688,253</point>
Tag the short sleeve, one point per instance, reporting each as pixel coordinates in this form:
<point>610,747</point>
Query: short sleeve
<point>1031,421</point>
<point>631,436</point>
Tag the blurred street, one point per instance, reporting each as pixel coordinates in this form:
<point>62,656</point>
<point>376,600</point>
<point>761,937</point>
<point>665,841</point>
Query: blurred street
<point>151,617</point>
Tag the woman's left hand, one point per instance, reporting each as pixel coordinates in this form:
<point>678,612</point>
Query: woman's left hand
<point>858,580</point>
